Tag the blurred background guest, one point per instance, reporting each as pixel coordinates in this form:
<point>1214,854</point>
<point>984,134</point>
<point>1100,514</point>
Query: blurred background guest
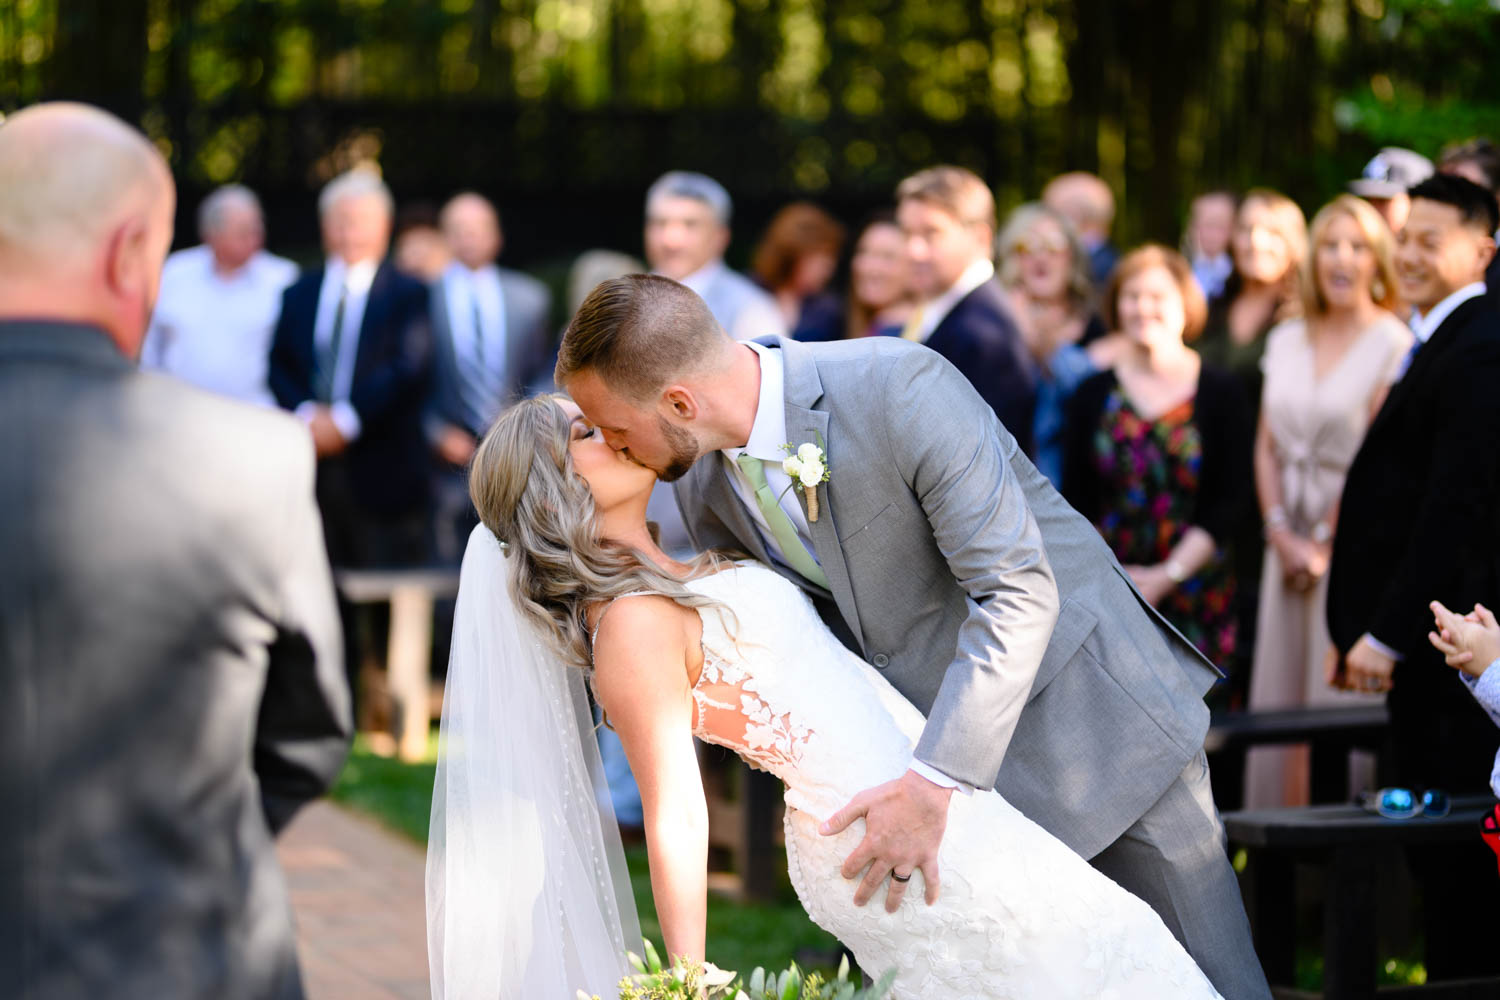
<point>880,295</point>
<point>1477,160</point>
<point>420,250</point>
<point>687,232</point>
<point>1417,523</point>
<point>1046,273</point>
<point>490,341</point>
<point>1385,180</point>
<point>1154,452</point>
<point>795,262</point>
<point>1087,202</point>
<point>1268,247</point>
<point>1206,239</point>
<point>593,267</point>
<point>219,301</point>
<point>1326,374</point>
<point>947,215</point>
<point>352,357</point>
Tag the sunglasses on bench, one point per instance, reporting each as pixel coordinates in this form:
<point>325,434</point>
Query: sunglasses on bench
<point>1404,803</point>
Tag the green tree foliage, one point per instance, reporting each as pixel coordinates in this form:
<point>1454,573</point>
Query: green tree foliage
<point>831,98</point>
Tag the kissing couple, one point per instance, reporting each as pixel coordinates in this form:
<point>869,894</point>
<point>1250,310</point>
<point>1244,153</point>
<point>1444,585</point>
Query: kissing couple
<point>992,745</point>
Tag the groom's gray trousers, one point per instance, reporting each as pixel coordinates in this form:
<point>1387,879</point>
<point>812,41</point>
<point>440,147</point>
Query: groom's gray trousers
<point>1173,858</point>
<point>960,574</point>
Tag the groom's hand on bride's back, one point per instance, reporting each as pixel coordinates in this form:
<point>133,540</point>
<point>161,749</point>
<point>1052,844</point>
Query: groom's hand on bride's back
<point>904,824</point>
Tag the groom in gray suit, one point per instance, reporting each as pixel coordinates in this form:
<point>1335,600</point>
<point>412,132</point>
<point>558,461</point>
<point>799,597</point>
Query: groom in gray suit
<point>942,556</point>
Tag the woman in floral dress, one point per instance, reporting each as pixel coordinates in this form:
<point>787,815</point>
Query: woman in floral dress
<point>1155,451</point>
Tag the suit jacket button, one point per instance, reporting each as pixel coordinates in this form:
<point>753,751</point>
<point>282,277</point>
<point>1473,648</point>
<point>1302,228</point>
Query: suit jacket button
<point>881,661</point>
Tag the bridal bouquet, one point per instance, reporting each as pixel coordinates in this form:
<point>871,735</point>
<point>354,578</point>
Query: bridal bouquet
<point>692,981</point>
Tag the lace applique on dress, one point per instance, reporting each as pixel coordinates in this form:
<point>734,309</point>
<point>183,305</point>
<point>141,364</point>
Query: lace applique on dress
<point>732,713</point>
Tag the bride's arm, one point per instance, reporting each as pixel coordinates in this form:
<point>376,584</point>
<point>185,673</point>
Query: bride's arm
<point>641,681</point>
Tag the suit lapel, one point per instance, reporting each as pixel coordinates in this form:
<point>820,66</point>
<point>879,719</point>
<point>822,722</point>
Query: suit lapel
<point>1427,356</point>
<point>804,424</point>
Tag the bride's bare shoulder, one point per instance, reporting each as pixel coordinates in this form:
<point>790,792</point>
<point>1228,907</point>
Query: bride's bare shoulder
<point>640,632</point>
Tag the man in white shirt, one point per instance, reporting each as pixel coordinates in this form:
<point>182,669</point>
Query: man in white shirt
<point>687,232</point>
<point>219,302</point>
<point>947,216</point>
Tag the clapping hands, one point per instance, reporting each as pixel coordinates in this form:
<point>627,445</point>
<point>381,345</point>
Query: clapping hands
<point>1471,642</point>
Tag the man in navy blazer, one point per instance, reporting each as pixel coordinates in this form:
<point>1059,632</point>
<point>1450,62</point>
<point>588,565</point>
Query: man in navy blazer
<point>1418,522</point>
<point>947,216</point>
<point>351,356</point>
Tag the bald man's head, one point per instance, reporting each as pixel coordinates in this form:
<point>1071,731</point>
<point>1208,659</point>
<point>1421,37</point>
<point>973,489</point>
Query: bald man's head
<point>86,207</point>
<point>471,227</point>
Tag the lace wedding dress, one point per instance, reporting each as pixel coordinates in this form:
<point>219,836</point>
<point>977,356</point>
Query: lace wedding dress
<point>1019,916</point>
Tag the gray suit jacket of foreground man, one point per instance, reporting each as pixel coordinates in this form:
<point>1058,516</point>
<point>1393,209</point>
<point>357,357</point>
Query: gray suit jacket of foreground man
<point>959,572</point>
<point>171,682</point>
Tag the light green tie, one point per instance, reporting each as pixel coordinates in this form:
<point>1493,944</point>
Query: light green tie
<point>782,530</point>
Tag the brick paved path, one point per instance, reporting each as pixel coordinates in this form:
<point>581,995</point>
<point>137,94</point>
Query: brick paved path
<point>357,894</point>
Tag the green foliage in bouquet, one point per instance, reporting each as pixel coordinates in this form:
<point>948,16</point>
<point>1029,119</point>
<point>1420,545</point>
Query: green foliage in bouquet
<point>692,981</point>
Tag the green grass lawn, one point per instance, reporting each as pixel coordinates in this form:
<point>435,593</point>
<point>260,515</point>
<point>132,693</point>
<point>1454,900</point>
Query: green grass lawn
<point>740,935</point>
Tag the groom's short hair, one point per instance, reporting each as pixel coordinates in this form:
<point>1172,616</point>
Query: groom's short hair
<point>638,333</point>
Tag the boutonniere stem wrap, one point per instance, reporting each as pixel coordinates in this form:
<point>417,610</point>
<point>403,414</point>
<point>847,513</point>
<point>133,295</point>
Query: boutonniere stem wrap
<point>808,468</point>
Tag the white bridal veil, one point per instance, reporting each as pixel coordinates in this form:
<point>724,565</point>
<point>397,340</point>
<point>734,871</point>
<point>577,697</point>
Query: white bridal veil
<point>527,891</point>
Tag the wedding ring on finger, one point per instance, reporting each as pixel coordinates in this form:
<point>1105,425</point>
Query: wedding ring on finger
<point>903,879</point>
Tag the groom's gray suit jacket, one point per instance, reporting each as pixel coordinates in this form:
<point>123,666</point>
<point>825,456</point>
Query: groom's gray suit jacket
<point>978,591</point>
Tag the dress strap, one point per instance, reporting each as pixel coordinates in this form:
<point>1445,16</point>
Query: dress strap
<point>594,635</point>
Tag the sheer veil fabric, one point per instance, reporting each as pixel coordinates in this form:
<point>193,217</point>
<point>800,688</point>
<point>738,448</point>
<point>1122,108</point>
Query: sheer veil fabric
<point>527,890</point>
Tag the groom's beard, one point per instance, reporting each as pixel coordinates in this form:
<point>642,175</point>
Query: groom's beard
<point>684,451</point>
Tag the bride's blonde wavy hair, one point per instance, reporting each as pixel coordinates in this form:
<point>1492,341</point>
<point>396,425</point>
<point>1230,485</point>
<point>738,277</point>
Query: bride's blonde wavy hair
<point>527,493</point>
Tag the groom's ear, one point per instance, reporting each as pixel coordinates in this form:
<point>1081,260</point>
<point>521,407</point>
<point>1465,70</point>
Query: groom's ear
<point>678,401</point>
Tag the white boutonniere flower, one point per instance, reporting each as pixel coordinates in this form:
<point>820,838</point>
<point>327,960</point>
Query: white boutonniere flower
<point>808,468</point>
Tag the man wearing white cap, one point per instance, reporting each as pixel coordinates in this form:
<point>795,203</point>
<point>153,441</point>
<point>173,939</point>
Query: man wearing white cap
<point>1385,180</point>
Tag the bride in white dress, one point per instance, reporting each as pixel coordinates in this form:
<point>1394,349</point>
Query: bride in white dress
<point>525,881</point>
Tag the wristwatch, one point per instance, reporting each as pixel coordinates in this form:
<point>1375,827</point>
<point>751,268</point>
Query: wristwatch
<point>1176,571</point>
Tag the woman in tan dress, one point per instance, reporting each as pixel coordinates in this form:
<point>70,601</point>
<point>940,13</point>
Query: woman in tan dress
<point>1325,376</point>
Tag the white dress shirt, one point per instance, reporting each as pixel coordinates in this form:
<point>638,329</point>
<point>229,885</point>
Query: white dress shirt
<point>934,311</point>
<point>337,277</point>
<point>214,330</point>
<point>1424,327</point>
<point>767,435</point>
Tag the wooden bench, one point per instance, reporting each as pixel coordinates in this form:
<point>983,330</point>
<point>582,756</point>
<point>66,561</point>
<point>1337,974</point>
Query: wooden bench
<point>1331,733</point>
<point>1349,843</point>
<point>411,594</point>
